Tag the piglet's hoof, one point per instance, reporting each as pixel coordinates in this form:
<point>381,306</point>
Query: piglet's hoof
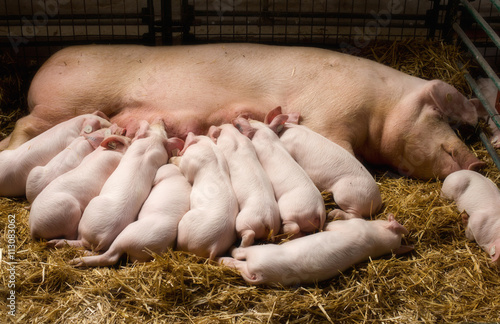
<point>465,218</point>
<point>339,214</point>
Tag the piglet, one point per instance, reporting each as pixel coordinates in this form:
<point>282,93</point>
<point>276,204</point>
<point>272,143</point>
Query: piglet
<point>208,229</point>
<point>56,211</point>
<point>478,198</point>
<point>300,203</point>
<point>318,256</point>
<point>123,194</point>
<point>15,165</point>
<point>156,227</point>
<point>66,160</point>
<point>259,215</point>
<point>331,168</point>
<point>492,95</point>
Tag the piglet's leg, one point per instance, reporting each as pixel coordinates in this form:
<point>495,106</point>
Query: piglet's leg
<point>465,221</point>
<point>105,259</point>
<point>465,218</point>
<point>5,143</point>
<point>60,243</point>
<point>339,214</point>
<point>241,266</point>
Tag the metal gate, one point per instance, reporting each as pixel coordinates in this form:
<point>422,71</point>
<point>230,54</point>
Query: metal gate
<point>34,29</point>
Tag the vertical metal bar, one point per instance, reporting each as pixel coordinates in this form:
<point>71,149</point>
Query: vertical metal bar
<point>325,24</point>
<point>186,21</point>
<point>166,22</point>
<point>490,110</point>
<point>496,3</point>
<point>99,19</point>
<point>491,150</point>
<point>477,55</point>
<point>311,34</point>
<point>112,22</point>
<point>449,19</point>
<point>234,21</point>
<point>286,23</point>
<point>73,20</point>
<point>484,25</point>
<point>433,16</point>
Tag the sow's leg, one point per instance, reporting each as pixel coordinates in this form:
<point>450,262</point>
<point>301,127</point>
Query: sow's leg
<point>41,119</point>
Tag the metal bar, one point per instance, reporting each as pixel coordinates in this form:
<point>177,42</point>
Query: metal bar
<point>166,22</point>
<point>477,55</point>
<point>433,15</point>
<point>491,150</point>
<point>449,19</point>
<point>491,110</point>
<point>320,15</point>
<point>496,3</point>
<point>200,22</point>
<point>79,16</point>
<point>480,20</point>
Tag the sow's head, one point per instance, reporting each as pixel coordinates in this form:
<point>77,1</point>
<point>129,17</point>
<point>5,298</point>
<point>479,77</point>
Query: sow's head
<point>430,147</point>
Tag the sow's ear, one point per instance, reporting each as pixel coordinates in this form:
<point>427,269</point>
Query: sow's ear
<point>450,103</point>
<point>100,114</point>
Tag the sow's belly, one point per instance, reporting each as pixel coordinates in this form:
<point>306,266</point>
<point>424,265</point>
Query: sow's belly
<point>190,87</point>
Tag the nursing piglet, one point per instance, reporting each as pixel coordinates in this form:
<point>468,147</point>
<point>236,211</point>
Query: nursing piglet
<point>332,169</point>
<point>478,198</point>
<point>259,213</point>
<point>56,211</point>
<point>318,256</point>
<point>123,194</point>
<point>66,160</point>
<point>15,165</point>
<point>208,229</point>
<point>156,227</point>
<point>300,203</point>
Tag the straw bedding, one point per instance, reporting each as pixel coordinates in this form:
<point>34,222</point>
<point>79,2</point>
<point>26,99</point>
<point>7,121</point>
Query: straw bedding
<point>445,279</point>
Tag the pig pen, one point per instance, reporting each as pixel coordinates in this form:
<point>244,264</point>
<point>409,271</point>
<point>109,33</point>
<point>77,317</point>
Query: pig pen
<point>445,279</point>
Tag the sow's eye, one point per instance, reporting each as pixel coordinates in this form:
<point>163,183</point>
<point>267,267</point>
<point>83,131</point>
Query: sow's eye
<point>436,113</point>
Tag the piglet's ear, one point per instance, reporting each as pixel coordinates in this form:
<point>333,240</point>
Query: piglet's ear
<point>90,125</point>
<point>450,103</point>
<point>117,130</point>
<point>190,140</point>
<point>293,118</point>
<point>271,114</point>
<point>95,139</point>
<point>142,131</point>
<point>395,226</point>
<point>243,125</point>
<point>277,123</point>
<point>174,145</point>
<point>214,133</point>
<point>403,249</point>
<point>114,142</point>
<point>494,252</point>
